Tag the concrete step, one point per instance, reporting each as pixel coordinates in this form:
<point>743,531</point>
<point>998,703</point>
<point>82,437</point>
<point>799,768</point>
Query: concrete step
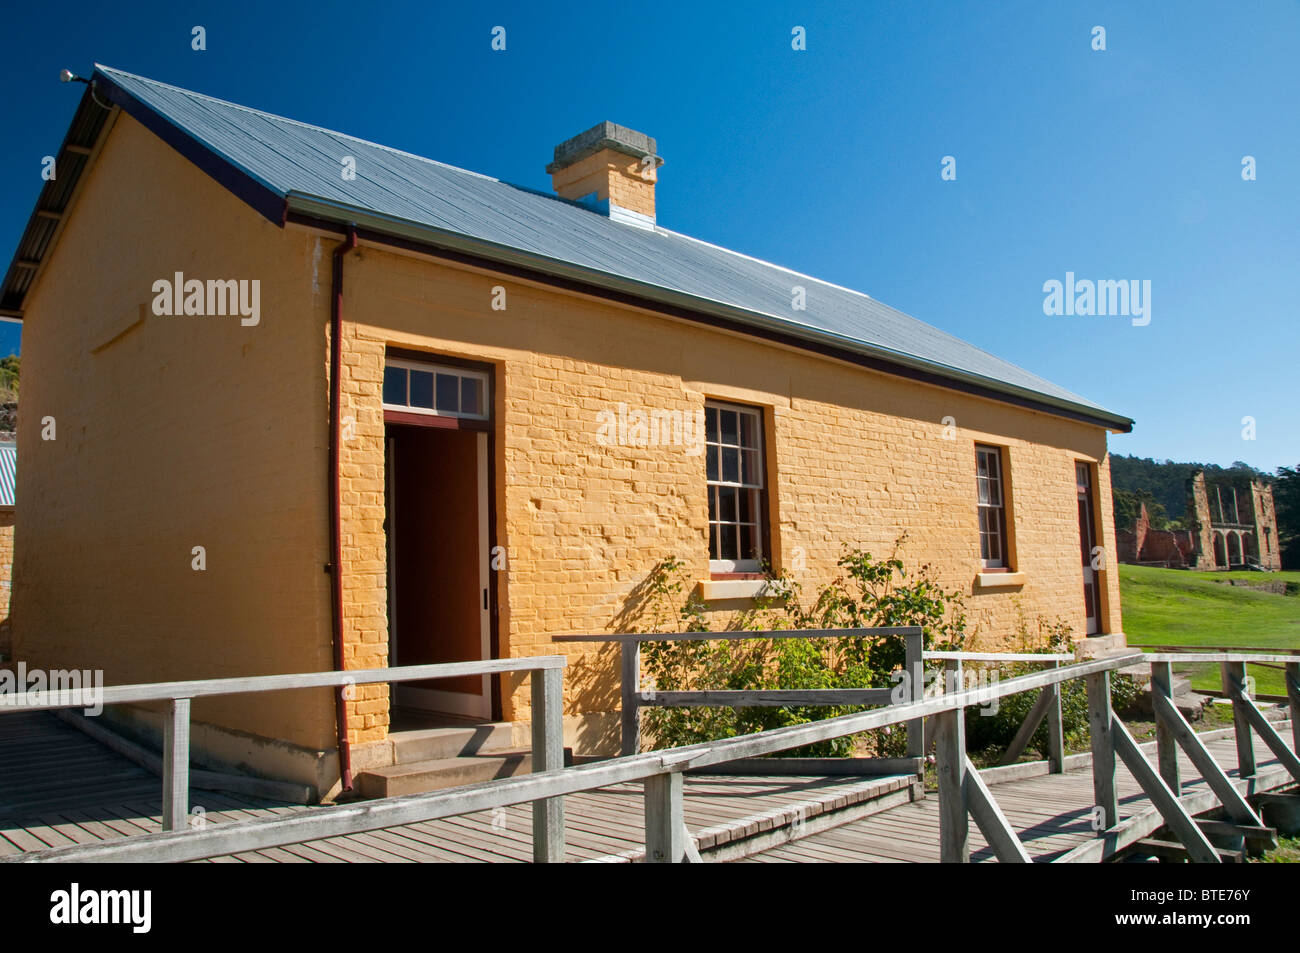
<point>436,774</point>
<point>1191,704</point>
<point>439,773</point>
<point>432,744</point>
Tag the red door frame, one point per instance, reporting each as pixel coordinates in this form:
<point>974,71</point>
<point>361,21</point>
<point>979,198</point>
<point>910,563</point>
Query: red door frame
<point>486,426</point>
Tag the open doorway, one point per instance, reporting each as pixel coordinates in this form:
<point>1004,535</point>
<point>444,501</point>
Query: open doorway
<point>437,521</point>
<point>1088,547</point>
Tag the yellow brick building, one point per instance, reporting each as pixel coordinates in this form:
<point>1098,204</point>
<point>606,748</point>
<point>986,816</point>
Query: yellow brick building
<point>538,399</point>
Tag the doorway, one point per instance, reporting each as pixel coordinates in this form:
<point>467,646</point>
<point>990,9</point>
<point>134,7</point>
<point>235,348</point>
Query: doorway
<point>437,521</point>
<point>1087,543</point>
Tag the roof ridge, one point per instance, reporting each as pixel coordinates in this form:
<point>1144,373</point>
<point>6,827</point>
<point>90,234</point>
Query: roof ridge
<point>770,264</point>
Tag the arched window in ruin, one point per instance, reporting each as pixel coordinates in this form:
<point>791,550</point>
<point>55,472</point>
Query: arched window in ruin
<point>1220,553</point>
<point>1234,549</point>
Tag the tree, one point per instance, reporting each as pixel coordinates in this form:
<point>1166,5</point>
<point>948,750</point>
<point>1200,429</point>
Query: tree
<point>1128,503</point>
<point>9,394</point>
<point>1286,497</point>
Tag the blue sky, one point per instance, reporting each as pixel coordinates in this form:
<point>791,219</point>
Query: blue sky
<point>1122,164</point>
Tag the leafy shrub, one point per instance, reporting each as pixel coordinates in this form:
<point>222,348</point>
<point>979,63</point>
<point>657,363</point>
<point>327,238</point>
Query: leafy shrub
<point>990,732</point>
<point>868,592</point>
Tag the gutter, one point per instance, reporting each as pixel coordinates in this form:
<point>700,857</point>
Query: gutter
<point>313,211</point>
<point>335,567</point>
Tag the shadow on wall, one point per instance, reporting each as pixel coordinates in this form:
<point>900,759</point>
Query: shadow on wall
<point>594,677</point>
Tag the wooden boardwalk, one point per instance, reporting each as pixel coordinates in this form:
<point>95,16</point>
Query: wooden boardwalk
<point>1052,814</point>
<point>58,787</point>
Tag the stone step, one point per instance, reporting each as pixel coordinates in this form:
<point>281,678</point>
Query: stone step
<point>1191,704</point>
<point>432,744</point>
<point>437,774</point>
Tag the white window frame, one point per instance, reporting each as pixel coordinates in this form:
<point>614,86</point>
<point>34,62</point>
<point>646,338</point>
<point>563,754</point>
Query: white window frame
<point>436,369</point>
<point>759,524</point>
<point>997,510</point>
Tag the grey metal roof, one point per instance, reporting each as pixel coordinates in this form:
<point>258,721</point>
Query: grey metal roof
<point>279,160</point>
<point>37,238</point>
<point>8,473</point>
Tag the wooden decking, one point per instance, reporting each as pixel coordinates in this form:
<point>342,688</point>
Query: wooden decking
<point>59,787</point>
<point>1052,815</point>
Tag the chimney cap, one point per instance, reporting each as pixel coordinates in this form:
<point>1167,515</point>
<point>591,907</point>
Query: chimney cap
<point>603,135</point>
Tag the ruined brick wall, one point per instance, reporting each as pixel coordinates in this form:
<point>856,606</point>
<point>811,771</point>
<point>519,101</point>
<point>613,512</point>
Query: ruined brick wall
<point>1255,508</point>
<point>1141,526</point>
<point>1264,512</point>
<point>1162,547</point>
<point>1126,545</point>
<point>1198,511</point>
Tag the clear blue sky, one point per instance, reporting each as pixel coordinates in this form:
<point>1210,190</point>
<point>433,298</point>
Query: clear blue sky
<point>1123,164</point>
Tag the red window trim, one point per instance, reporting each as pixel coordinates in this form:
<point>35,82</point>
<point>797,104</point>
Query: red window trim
<point>433,420</point>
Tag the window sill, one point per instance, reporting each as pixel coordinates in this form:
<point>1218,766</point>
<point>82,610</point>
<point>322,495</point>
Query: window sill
<point>999,580</point>
<point>717,590</point>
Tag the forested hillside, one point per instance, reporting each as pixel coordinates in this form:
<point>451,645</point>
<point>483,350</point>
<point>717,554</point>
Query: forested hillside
<point>1163,487</point>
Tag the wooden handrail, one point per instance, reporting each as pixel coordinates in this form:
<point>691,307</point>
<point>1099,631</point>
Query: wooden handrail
<point>240,836</point>
<point>548,731</point>
<point>961,796</point>
<point>239,685</point>
<point>623,638</point>
<point>1043,657</point>
<point>633,699</point>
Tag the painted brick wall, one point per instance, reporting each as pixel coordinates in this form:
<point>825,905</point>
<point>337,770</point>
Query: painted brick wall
<point>361,480</point>
<point>6,578</point>
<point>859,458</point>
<point>175,432</point>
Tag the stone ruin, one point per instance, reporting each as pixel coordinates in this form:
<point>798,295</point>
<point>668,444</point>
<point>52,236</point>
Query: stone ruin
<point>1233,526</point>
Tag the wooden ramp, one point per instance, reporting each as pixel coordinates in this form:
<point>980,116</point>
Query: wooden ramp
<point>65,799</point>
<point>1052,814</point>
<point>59,787</point>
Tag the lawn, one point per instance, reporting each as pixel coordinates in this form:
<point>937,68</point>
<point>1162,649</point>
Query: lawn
<point>1176,607</point>
<point>1288,852</point>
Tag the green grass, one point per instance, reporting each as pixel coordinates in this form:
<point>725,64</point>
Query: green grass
<point>1288,852</point>
<point>1175,607</point>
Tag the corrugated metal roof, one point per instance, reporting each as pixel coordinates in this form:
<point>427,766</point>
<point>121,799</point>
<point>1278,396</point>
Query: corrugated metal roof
<point>404,194</point>
<point>70,161</point>
<point>8,473</point>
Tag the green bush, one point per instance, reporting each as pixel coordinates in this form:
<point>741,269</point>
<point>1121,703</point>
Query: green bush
<point>990,730</point>
<point>867,593</point>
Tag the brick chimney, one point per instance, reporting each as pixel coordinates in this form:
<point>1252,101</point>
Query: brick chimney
<point>611,167</point>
